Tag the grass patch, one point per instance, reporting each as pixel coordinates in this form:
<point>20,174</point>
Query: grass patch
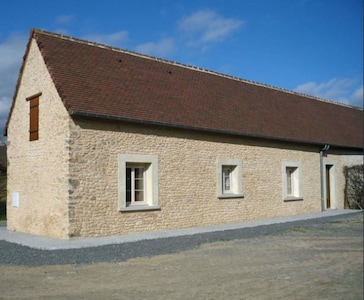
<point>299,229</point>
<point>336,222</point>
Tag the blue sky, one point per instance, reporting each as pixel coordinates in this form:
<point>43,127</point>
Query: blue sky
<point>310,46</point>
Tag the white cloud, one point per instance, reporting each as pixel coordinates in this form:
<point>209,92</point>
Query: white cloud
<point>112,39</point>
<point>343,90</point>
<point>4,107</point>
<point>11,53</point>
<point>357,98</point>
<point>201,29</point>
<point>206,26</point>
<point>161,48</point>
<point>64,19</point>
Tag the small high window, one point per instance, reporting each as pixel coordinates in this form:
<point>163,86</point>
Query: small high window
<point>229,178</point>
<point>33,117</point>
<point>291,181</point>
<point>291,177</point>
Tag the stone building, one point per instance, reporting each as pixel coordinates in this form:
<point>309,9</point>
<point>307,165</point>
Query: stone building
<point>103,141</point>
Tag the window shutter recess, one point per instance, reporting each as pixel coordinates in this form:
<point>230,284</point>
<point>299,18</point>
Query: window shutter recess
<point>34,117</point>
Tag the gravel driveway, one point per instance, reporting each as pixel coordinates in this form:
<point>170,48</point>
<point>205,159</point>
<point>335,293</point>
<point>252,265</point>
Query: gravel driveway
<point>310,259</point>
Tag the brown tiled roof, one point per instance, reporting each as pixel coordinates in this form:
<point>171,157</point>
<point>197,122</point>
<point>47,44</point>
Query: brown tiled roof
<point>106,82</point>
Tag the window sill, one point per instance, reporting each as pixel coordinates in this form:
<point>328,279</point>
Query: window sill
<point>140,208</point>
<point>230,196</point>
<point>288,199</point>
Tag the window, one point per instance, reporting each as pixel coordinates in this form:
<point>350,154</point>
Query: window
<point>229,173</point>
<point>138,182</point>
<point>227,179</point>
<point>291,176</point>
<point>34,117</point>
<point>135,189</point>
<point>291,182</point>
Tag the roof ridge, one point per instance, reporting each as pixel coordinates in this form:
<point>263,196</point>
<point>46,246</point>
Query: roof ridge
<point>90,43</point>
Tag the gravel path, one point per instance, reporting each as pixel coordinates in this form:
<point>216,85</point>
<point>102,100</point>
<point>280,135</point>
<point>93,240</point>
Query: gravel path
<point>16,255</point>
<point>318,258</point>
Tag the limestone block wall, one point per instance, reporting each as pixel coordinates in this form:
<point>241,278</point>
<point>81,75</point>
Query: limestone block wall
<point>187,178</point>
<point>38,170</point>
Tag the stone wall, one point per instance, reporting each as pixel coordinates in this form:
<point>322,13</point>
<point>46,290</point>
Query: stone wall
<point>38,170</point>
<point>187,178</point>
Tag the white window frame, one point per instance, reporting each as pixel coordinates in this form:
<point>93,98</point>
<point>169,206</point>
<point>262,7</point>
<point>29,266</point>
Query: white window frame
<point>291,181</point>
<point>235,178</point>
<point>150,164</point>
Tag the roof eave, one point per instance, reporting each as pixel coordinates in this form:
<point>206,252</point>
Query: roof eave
<point>209,130</point>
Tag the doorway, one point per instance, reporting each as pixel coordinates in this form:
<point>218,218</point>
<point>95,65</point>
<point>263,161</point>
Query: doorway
<point>328,187</point>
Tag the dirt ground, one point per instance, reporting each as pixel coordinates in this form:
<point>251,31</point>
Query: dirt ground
<point>310,262</point>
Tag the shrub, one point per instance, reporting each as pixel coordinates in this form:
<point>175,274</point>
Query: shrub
<point>354,182</point>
